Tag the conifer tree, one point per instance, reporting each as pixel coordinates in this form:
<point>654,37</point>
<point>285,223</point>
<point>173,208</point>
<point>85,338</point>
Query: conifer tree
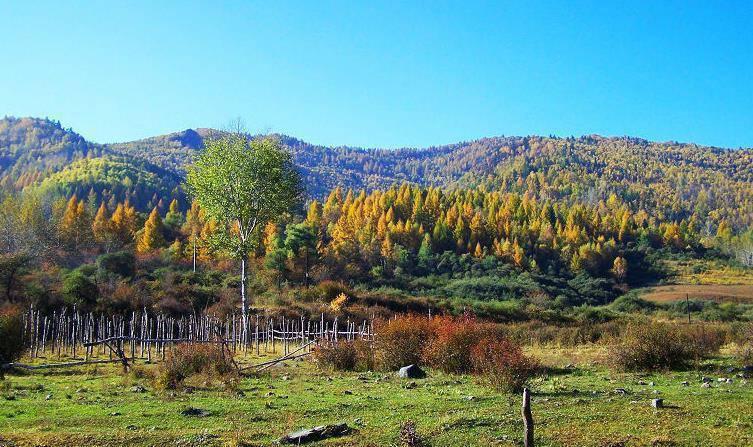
<point>152,236</point>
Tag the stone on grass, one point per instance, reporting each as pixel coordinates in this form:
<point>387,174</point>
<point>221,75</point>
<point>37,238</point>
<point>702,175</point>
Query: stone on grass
<point>315,434</point>
<point>657,403</point>
<point>706,385</point>
<point>138,389</point>
<point>411,372</point>
<point>196,412</point>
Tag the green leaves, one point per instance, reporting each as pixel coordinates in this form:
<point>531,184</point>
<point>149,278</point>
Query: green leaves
<point>244,184</point>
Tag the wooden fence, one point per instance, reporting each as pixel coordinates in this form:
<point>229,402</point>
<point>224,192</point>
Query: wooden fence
<point>142,335</point>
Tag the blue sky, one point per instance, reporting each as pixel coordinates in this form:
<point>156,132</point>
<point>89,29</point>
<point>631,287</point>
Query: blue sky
<point>384,74</point>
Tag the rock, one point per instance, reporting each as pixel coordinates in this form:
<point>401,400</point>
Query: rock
<point>411,372</point>
<point>721,379</point>
<point>641,382</point>
<point>48,397</point>
<point>620,391</point>
<point>131,427</point>
<point>685,383</point>
<point>115,413</point>
<point>569,366</point>
<point>410,385</point>
<point>81,390</point>
<point>138,389</point>
<point>729,381</point>
<point>706,385</point>
<point>657,403</point>
<point>315,434</point>
<point>748,368</point>
<point>196,412</point>
<point>651,384</point>
<point>348,392</point>
<point>705,379</point>
<point>731,369</point>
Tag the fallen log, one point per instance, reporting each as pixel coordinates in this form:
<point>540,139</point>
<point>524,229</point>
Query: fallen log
<point>56,365</point>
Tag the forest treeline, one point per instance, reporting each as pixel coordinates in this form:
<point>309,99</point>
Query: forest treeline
<point>518,222</point>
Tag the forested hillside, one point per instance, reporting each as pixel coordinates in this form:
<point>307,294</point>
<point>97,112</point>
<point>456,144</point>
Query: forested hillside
<point>536,223</point>
<point>667,181</point>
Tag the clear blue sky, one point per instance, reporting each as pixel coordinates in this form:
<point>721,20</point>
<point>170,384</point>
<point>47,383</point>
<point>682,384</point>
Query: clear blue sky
<point>380,74</point>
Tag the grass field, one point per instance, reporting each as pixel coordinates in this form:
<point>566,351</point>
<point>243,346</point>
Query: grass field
<point>573,406</point>
<point>742,293</point>
<point>710,280</point>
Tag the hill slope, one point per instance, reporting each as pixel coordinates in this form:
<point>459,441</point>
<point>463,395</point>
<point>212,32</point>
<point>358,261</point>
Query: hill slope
<point>666,180</point>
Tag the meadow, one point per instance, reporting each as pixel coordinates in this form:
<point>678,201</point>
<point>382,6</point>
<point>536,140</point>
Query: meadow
<point>578,400</point>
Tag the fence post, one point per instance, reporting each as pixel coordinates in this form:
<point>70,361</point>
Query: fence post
<point>527,418</point>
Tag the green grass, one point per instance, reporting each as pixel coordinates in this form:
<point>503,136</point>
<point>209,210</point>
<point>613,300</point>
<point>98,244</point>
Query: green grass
<point>574,406</point>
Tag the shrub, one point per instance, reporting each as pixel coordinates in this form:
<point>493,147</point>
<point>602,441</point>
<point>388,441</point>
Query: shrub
<point>345,356</point>
<point>744,354</point>
<point>341,356</point>
<point>655,346</point>
<point>329,290</point>
<point>450,348</point>
<point>187,360</point>
<point>121,263</point>
<point>502,363</point>
<point>409,436</point>
<point>11,341</point>
<point>79,289</point>
<point>401,341</point>
<point>339,303</point>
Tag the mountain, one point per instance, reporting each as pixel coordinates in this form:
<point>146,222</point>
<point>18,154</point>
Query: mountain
<point>668,180</point>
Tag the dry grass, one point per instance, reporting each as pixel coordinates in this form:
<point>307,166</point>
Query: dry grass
<point>711,292</point>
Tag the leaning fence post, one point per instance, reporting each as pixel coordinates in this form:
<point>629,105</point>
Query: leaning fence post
<point>527,418</point>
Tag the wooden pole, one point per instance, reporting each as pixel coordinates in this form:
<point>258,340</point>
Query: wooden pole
<point>527,418</point>
<point>687,305</point>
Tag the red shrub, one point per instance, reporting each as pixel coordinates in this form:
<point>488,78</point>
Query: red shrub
<point>454,338</point>
<point>401,341</point>
<point>502,363</point>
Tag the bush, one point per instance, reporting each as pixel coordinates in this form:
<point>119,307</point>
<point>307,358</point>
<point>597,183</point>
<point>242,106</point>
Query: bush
<point>409,436</point>
<point>329,290</point>
<point>121,263</point>
<point>79,289</point>
<point>341,356</point>
<point>744,354</point>
<point>656,346</point>
<point>502,363</point>
<point>11,331</point>
<point>450,348</point>
<point>400,342</point>
<point>187,360</point>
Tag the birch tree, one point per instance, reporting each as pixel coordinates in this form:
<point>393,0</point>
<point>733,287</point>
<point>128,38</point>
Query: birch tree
<point>243,184</point>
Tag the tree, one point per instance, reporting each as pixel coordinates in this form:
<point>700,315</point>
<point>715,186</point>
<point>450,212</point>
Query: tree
<point>153,235</point>
<point>75,226</point>
<point>244,184</point>
<point>193,226</point>
<point>301,241</point>
<point>620,268</point>
<point>102,228</point>
<point>174,218</point>
<point>276,259</point>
